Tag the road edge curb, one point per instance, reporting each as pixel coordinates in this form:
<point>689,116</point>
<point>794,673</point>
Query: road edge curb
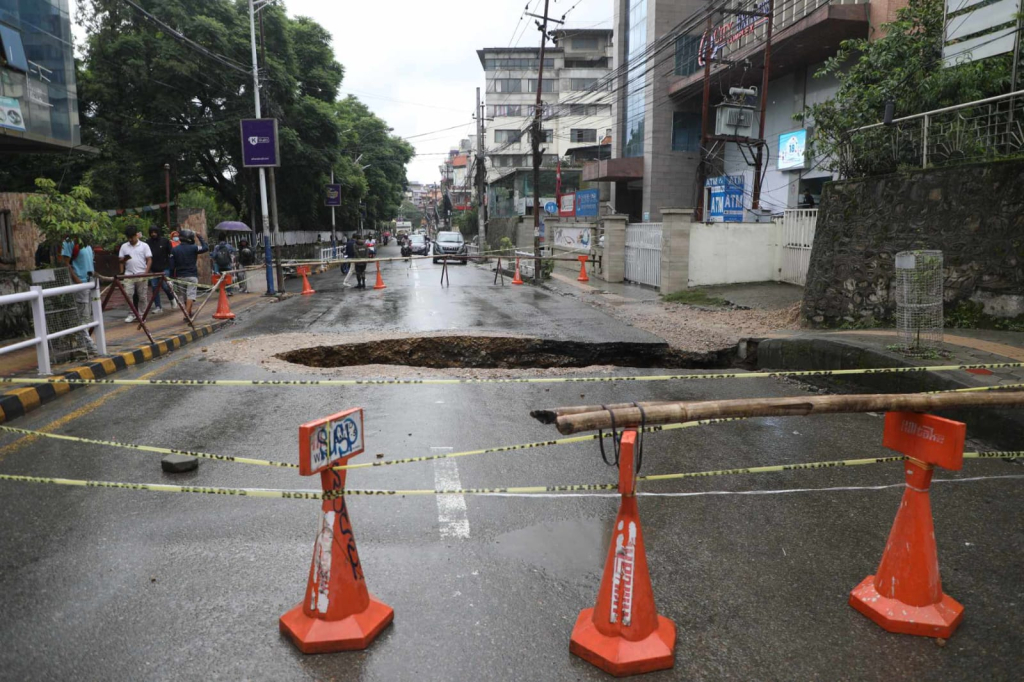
<point>20,401</point>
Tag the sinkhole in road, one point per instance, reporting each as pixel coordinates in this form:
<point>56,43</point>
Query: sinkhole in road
<point>502,352</point>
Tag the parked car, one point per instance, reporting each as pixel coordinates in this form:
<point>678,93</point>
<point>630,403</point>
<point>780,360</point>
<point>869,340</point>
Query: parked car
<point>451,244</point>
<point>418,245</point>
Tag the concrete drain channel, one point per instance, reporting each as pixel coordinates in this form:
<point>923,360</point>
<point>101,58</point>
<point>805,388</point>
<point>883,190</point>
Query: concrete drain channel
<point>500,352</point>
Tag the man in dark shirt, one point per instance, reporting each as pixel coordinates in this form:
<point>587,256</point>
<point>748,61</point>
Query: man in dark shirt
<point>350,252</point>
<point>161,248</point>
<point>184,258</point>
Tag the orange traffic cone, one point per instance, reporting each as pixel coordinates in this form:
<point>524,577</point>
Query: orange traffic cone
<point>223,309</point>
<point>583,269</point>
<point>623,634</point>
<point>338,613</point>
<point>517,279</point>
<point>380,280</point>
<point>905,594</point>
<point>307,290</point>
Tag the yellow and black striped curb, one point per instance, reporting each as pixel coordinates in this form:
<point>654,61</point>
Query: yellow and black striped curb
<point>18,402</point>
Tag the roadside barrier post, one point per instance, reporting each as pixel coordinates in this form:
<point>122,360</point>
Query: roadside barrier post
<point>517,279</point>
<point>223,309</point>
<point>97,316</point>
<point>623,634</point>
<point>306,289</point>
<point>380,280</point>
<point>338,613</point>
<point>905,594</point>
<point>583,269</point>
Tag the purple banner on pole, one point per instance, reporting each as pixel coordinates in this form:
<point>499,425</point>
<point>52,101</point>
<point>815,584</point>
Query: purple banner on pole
<point>333,195</point>
<point>259,143</point>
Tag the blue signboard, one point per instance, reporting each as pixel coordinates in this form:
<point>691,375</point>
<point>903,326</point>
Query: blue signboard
<point>726,204</point>
<point>333,196</point>
<point>551,208</point>
<point>259,142</point>
<point>586,203</point>
<point>792,150</point>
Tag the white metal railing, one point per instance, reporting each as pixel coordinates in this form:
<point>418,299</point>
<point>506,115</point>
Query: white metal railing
<point>798,227</point>
<point>36,297</point>
<point>985,128</point>
<point>526,261</point>
<point>643,253</point>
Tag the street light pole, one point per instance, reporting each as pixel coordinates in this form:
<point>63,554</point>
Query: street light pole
<point>334,234</point>
<point>263,176</point>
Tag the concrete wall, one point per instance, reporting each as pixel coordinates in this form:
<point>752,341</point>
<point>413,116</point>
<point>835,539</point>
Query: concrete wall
<point>731,253</point>
<point>26,235</point>
<point>973,213</point>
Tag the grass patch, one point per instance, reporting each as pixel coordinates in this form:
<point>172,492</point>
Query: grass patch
<point>694,297</point>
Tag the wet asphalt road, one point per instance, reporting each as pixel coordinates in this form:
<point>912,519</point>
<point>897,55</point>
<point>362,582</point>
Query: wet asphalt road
<point>126,585</point>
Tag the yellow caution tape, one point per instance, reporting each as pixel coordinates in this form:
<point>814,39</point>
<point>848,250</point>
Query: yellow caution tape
<point>152,448</point>
<point>531,380</point>
<point>315,495</point>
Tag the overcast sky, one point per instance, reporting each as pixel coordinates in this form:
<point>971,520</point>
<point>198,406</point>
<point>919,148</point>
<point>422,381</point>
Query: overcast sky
<point>414,63</point>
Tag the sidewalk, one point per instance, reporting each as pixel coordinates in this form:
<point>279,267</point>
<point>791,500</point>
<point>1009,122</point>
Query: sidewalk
<point>123,336</point>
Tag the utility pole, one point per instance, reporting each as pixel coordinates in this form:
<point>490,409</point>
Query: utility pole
<point>167,188</point>
<point>273,187</point>
<point>535,138</point>
<point>481,175</point>
<point>263,175</point>
<point>705,157</point>
<point>334,234</point>
<point>755,198</point>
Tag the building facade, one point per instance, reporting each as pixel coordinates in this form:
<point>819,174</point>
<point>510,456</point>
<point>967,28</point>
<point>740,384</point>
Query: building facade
<point>656,160</point>
<point>577,116</point>
<point>38,88</point>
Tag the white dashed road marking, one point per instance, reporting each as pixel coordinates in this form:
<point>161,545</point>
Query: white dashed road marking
<point>451,509</point>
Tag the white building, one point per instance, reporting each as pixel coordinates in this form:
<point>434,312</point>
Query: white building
<point>576,115</point>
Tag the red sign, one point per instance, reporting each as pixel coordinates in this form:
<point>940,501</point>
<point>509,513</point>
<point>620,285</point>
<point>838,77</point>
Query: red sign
<point>926,438</point>
<point>567,206</point>
<point>723,34</point>
<point>325,442</point>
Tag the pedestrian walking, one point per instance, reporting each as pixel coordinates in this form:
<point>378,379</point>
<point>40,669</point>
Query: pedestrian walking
<point>184,264</point>
<point>223,255</point>
<point>350,252</point>
<point>136,259</point>
<point>361,253</point>
<point>246,258</point>
<point>808,201</point>
<point>160,246</point>
<point>78,257</point>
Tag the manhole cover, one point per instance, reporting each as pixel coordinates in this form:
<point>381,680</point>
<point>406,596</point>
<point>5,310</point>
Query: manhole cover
<point>443,352</point>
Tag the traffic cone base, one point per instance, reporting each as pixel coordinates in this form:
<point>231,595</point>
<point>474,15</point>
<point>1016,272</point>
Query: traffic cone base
<point>620,657</point>
<point>933,620</point>
<point>380,281</point>
<point>316,636</point>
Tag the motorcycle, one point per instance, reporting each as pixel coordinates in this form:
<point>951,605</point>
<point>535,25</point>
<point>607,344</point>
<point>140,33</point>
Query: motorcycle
<point>406,249</point>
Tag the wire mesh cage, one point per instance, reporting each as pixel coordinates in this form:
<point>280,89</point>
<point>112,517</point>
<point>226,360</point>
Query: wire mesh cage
<point>919,282</point>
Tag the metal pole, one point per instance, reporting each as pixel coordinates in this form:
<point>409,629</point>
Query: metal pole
<point>924,142</point>
<point>481,175</point>
<point>334,233</point>
<point>273,188</point>
<point>167,187</point>
<point>704,156</point>
<point>263,175</point>
<point>39,329</point>
<point>536,139</point>
<point>755,200</point>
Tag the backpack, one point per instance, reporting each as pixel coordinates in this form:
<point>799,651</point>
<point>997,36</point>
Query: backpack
<point>246,257</point>
<point>222,257</point>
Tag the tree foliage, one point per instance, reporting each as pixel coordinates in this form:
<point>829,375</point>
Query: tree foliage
<point>57,214</point>
<point>148,99</point>
<point>904,67</point>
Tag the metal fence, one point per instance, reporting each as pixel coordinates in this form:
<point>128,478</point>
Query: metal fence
<point>797,238</point>
<point>985,129</point>
<point>643,253</point>
<point>37,298</point>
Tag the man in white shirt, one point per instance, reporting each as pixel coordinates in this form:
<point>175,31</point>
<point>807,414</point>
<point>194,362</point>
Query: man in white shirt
<point>136,258</point>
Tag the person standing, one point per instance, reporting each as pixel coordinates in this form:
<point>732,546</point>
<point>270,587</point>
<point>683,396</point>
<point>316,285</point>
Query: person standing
<point>161,248</point>
<point>184,264</point>
<point>362,252</point>
<point>223,255</point>
<point>246,258</point>
<point>350,252</point>
<point>78,257</point>
<point>136,259</point>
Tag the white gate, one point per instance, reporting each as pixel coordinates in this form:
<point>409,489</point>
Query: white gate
<point>643,253</point>
<point>797,239</point>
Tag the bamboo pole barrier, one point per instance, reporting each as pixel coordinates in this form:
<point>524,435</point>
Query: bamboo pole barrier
<point>549,415</point>
<point>678,412</point>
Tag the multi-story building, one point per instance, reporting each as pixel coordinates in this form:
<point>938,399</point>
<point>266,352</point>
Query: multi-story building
<point>658,110</point>
<point>577,116</point>
<point>38,89</point>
